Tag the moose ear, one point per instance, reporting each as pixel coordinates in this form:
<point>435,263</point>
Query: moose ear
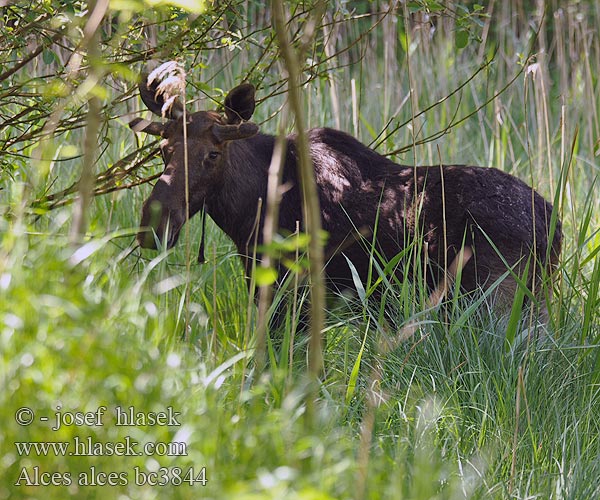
<point>239,103</point>
<point>152,128</point>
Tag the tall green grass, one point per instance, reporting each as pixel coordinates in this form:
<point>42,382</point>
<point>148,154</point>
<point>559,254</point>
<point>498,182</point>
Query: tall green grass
<point>472,404</point>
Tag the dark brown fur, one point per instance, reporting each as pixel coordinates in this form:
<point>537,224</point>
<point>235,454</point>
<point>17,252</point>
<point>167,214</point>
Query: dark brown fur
<point>450,205</point>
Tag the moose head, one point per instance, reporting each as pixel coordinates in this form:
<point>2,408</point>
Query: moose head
<point>199,139</point>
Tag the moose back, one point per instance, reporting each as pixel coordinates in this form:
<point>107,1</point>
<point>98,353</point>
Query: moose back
<point>505,223</point>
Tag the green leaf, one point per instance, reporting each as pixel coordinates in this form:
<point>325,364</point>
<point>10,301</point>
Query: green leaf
<point>49,56</point>
<point>360,289</point>
<point>403,39</point>
<point>461,39</point>
<point>265,276</point>
<point>435,7</point>
<point>195,6</point>
<point>355,369</point>
<point>517,308</point>
<point>414,6</point>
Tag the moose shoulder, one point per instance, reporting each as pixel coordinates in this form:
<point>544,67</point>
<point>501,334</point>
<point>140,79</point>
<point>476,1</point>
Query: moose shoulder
<point>505,223</point>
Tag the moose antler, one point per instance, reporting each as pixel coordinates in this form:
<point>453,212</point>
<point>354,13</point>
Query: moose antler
<point>162,88</point>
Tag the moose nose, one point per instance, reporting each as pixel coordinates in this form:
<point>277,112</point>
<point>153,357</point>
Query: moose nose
<point>145,238</point>
<point>160,225</point>
<point>150,225</point>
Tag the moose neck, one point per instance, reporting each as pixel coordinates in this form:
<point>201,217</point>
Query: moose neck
<point>244,182</point>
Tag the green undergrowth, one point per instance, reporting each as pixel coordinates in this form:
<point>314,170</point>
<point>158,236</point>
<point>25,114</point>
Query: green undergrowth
<point>454,411</point>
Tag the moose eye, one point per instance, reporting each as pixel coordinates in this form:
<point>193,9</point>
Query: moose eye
<point>213,155</point>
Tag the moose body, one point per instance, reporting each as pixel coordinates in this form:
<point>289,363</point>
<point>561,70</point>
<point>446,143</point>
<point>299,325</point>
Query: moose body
<point>369,204</point>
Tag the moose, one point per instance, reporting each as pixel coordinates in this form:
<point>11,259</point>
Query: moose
<point>370,206</point>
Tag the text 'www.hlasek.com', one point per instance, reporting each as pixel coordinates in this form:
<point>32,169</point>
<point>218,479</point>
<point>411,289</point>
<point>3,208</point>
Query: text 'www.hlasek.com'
<point>88,446</point>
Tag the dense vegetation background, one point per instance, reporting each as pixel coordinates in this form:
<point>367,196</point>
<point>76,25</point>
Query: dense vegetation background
<point>470,406</point>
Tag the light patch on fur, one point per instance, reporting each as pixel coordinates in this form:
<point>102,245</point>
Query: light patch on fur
<point>331,176</point>
<point>167,179</point>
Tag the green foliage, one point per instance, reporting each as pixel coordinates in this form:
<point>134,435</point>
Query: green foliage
<point>445,412</point>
